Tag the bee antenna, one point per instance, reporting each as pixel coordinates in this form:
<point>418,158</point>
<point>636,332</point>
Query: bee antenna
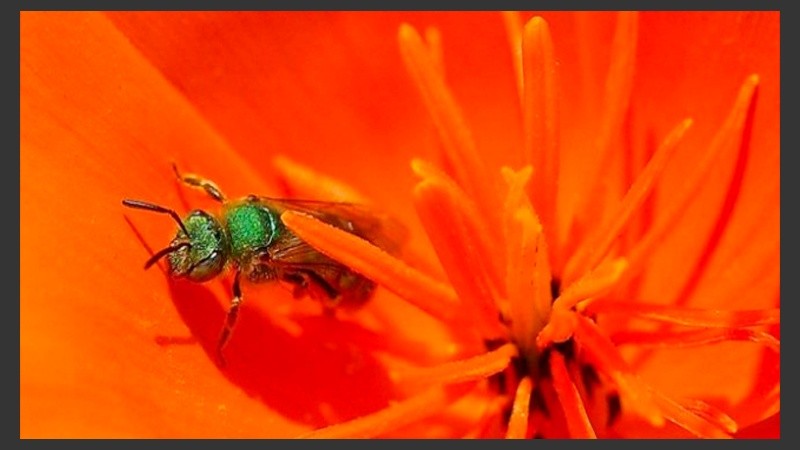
<point>165,251</point>
<point>138,204</point>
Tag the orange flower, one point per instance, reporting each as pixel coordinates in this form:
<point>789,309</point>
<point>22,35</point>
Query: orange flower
<point>592,102</point>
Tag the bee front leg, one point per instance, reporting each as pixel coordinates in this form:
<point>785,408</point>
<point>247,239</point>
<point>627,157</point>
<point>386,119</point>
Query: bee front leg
<point>230,319</point>
<point>199,182</point>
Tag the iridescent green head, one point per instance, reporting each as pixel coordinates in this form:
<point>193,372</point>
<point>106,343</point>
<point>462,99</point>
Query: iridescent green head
<point>202,254</point>
<point>200,248</point>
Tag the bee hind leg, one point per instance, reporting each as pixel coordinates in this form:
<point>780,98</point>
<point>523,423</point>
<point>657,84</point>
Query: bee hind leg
<point>230,320</point>
<point>307,283</point>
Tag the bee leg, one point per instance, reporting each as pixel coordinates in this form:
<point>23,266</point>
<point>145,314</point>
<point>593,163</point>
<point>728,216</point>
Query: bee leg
<point>298,283</point>
<point>329,297</point>
<point>230,319</point>
<point>199,182</point>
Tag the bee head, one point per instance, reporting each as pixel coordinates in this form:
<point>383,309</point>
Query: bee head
<point>199,249</point>
<point>201,255</point>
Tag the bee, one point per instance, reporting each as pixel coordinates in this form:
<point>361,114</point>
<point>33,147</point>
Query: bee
<point>246,236</point>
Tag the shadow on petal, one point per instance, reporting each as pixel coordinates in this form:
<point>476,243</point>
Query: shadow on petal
<point>312,378</point>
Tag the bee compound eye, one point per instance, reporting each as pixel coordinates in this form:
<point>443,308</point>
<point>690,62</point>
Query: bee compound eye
<point>207,268</point>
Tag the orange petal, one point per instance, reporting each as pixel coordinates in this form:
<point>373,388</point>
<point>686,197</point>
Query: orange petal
<point>98,124</point>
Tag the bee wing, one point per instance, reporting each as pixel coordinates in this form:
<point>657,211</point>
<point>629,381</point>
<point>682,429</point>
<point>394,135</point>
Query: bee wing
<point>375,226</point>
<point>289,250</point>
<point>295,261</point>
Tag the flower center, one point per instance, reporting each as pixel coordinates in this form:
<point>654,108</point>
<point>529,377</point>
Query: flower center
<point>528,310</point>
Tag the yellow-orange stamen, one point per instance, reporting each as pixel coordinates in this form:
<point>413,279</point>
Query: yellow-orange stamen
<point>698,418</point>
<point>594,283</point>
<point>691,317</point>
<point>608,360</point>
<point>711,414</point>
<point>478,229</point>
<point>434,40</point>
<point>458,255</point>
<point>475,368</point>
<point>518,422</point>
<point>689,420</point>
<point>528,288</point>
<point>516,196</point>
<point>454,134</point>
<point>619,84</point>
<point>574,411</point>
<point>540,121</point>
<point>402,413</point>
<point>591,251</point>
<point>634,160</point>
<point>431,296</point>
<point>304,183</point>
<point>558,329</point>
<point>670,338</point>
<point>726,211</point>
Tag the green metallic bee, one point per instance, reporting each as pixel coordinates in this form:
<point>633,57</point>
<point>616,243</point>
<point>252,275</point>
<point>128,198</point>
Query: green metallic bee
<point>247,235</point>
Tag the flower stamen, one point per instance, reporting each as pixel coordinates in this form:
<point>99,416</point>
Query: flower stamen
<point>454,134</point>
<point>574,411</point>
<point>469,214</point>
<point>619,85</point>
<point>429,295</point>
<point>528,288</point>
<point>505,293</point>
<point>559,328</point>
<point>593,284</point>
<point>608,360</point>
<point>691,338</point>
<point>439,212</point>
<point>672,211</point>
<point>520,410</point>
<point>712,318</point>
<point>434,40</point>
<point>595,247</point>
<point>395,416</point>
<point>540,126</point>
<point>728,204</point>
<point>711,414</point>
<point>696,423</point>
<point>471,369</point>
